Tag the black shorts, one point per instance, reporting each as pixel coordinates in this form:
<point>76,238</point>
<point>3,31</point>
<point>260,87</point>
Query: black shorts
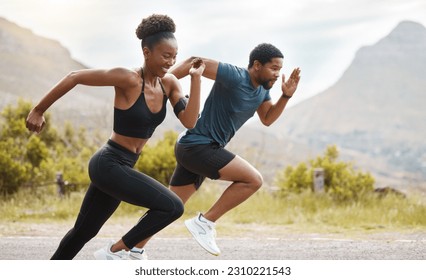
<point>196,162</point>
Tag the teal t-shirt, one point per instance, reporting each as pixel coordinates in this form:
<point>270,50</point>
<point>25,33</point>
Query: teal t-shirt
<point>231,102</point>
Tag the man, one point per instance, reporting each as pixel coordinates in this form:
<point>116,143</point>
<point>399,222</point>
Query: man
<point>200,152</point>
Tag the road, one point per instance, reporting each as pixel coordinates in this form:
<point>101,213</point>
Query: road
<point>41,248</point>
<point>25,241</point>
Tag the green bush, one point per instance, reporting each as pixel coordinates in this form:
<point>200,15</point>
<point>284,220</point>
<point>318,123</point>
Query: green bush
<point>13,174</point>
<point>158,160</point>
<point>341,180</point>
<point>15,167</point>
<point>31,160</point>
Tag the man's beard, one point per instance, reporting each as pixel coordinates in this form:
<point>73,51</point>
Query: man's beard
<point>267,84</point>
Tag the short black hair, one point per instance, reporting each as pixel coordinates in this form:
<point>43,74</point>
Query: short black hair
<point>264,53</point>
<point>154,29</point>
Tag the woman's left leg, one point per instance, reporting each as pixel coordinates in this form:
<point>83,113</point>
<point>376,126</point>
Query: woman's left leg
<point>95,210</point>
<point>136,188</point>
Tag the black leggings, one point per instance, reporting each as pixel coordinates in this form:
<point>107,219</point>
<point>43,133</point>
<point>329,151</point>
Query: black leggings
<point>114,180</point>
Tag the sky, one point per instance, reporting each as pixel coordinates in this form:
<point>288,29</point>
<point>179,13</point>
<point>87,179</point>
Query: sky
<point>319,36</point>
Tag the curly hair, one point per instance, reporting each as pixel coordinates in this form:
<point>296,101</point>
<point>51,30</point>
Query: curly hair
<point>154,29</point>
<point>264,53</point>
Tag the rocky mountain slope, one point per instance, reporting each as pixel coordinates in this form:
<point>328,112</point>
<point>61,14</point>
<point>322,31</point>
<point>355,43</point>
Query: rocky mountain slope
<point>31,65</point>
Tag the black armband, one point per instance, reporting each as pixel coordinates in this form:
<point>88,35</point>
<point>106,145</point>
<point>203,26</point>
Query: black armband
<point>179,106</point>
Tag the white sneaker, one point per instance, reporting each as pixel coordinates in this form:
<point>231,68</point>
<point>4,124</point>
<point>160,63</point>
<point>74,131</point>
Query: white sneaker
<point>204,233</point>
<point>137,254</point>
<point>106,254</point>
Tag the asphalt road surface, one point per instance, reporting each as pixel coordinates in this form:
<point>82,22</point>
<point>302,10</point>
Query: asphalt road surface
<point>24,241</point>
<point>305,248</point>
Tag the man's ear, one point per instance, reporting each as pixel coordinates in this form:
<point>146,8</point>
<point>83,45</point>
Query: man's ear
<point>257,65</point>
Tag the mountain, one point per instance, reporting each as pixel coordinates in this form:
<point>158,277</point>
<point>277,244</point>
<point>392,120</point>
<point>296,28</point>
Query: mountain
<point>375,113</point>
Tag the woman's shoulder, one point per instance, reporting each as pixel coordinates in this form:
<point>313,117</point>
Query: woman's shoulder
<point>131,76</point>
<point>170,84</point>
<point>169,80</point>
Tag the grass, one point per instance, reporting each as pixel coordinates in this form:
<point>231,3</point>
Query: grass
<point>306,212</point>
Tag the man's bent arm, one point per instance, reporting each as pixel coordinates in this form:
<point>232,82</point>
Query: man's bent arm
<point>269,113</point>
<point>181,69</point>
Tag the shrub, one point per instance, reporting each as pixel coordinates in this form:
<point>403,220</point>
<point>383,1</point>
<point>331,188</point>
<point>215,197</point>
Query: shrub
<point>31,160</point>
<point>158,161</point>
<point>341,180</point>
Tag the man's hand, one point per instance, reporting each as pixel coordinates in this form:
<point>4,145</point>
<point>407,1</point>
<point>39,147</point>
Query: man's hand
<point>288,88</point>
<point>197,67</point>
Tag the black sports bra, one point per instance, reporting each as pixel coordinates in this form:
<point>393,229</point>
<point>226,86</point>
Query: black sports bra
<point>138,121</point>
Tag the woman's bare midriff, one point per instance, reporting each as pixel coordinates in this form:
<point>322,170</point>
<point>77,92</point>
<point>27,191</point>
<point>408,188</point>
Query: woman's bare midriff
<point>134,145</point>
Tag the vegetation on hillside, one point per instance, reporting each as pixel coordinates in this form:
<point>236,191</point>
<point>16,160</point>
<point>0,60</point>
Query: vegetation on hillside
<point>29,160</point>
<point>29,164</point>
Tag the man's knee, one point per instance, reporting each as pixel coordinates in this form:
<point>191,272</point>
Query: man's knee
<point>257,181</point>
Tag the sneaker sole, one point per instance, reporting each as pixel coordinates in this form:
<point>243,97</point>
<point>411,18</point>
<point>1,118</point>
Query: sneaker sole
<point>193,231</point>
<point>100,255</point>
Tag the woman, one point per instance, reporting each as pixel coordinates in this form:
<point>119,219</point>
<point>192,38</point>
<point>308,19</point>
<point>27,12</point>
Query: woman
<point>139,107</point>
